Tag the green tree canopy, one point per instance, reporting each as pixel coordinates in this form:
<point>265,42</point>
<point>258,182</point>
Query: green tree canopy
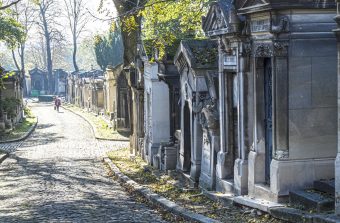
<point>109,49</point>
<point>11,31</point>
<point>166,22</point>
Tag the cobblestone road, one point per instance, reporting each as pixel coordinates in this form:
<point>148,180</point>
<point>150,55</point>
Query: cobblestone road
<point>56,176</point>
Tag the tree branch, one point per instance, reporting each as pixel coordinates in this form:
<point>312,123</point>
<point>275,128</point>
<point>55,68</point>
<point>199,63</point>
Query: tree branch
<point>9,5</point>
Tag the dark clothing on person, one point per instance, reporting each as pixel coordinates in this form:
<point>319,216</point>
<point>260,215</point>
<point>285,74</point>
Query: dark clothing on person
<point>57,103</point>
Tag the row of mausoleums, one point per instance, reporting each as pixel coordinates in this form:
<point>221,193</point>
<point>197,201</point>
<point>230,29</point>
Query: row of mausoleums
<point>252,110</point>
<point>37,82</point>
<point>101,93</point>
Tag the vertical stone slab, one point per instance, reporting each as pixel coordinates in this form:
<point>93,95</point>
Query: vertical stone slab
<point>221,167</point>
<point>196,152</point>
<point>281,108</point>
<point>337,161</point>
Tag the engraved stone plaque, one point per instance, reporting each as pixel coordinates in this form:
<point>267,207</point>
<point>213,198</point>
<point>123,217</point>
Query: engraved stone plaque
<point>262,25</point>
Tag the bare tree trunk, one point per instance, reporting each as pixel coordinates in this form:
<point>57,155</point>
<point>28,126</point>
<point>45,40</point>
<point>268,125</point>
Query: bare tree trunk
<point>22,59</point>
<point>76,68</point>
<point>48,51</point>
<point>129,38</point>
<point>15,60</point>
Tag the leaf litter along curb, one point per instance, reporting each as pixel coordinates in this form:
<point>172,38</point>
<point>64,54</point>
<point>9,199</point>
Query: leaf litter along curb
<point>191,199</point>
<point>102,128</point>
<point>139,198</point>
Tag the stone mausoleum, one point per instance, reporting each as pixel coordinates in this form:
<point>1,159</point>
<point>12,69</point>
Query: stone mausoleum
<point>39,83</point>
<point>196,62</point>
<point>278,91</point>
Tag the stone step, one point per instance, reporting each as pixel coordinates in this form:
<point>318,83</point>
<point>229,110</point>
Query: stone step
<point>311,200</point>
<point>326,186</point>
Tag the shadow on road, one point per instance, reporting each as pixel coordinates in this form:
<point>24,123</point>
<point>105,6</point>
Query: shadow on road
<point>63,191</point>
<point>45,126</point>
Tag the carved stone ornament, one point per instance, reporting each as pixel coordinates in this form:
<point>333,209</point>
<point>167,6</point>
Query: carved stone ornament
<point>280,48</point>
<point>262,50</point>
<point>209,117</point>
<point>197,105</point>
<point>186,91</point>
<point>246,28</point>
<point>206,140</point>
<point>224,43</point>
<point>141,142</point>
<point>281,155</point>
<point>220,21</point>
<point>281,26</point>
<point>246,50</point>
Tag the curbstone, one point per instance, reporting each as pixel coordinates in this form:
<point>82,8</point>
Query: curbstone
<point>291,214</point>
<point>27,134</point>
<point>326,219</point>
<point>3,157</point>
<point>157,199</point>
<point>93,128</point>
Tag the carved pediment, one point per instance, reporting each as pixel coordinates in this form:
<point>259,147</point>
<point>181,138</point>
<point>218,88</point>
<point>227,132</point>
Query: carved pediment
<point>222,18</point>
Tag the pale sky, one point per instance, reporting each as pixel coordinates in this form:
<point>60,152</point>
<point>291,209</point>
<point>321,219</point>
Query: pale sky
<point>100,25</point>
<point>95,26</point>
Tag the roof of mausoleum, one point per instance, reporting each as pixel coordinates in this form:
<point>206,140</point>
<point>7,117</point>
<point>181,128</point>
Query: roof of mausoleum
<point>198,54</point>
<point>222,19</point>
<point>37,71</point>
<point>250,6</point>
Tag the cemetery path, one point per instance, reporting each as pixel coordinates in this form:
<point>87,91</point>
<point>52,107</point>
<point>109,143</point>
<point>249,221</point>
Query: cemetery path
<point>56,175</point>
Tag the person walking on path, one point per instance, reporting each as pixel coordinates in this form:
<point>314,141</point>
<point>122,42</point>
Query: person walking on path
<point>57,103</point>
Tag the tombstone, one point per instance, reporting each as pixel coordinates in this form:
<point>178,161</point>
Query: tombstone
<point>168,150</point>
<point>194,67</point>
<point>70,89</point>
<point>60,77</point>
<point>116,97</point>
<point>223,23</point>
<point>97,87</point>
<point>156,107</point>
<point>12,92</point>
<point>135,76</point>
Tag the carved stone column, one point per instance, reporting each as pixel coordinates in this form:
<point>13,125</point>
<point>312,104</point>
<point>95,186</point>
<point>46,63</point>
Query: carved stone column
<point>337,161</point>
<point>280,114</point>
<point>222,171</point>
<point>197,138</point>
<point>241,163</point>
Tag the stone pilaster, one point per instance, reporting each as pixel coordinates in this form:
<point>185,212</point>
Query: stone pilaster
<point>222,169</point>
<point>241,163</point>
<point>337,161</point>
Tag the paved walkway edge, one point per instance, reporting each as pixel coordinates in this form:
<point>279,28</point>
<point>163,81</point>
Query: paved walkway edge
<point>27,134</point>
<point>157,199</point>
<point>94,131</point>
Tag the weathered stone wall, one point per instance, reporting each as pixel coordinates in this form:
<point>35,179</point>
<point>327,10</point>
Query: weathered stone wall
<point>312,86</point>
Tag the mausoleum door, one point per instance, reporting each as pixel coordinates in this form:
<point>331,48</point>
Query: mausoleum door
<point>268,98</point>
<point>233,132</point>
<point>37,85</point>
<point>187,138</point>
